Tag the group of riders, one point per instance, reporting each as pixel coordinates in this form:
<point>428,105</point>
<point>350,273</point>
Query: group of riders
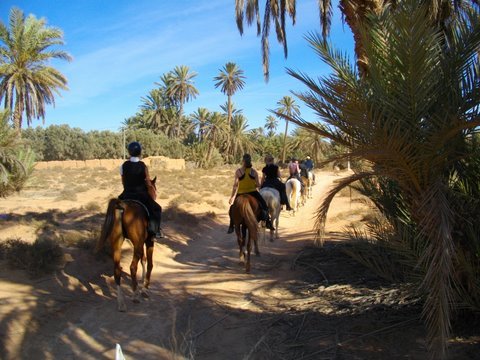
<point>138,187</point>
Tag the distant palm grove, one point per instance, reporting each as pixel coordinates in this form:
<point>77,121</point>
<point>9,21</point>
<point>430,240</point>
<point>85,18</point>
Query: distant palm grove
<point>207,137</point>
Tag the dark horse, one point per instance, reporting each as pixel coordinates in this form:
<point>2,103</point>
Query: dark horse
<point>245,213</point>
<point>128,219</point>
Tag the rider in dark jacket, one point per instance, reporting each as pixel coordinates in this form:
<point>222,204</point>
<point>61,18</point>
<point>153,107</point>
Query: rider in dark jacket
<point>309,165</point>
<point>271,178</point>
<point>136,184</point>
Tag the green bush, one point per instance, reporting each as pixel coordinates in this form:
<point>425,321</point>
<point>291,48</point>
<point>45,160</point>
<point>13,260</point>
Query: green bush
<point>16,160</point>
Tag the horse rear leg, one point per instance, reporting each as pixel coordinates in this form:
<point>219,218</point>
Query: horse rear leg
<point>117,271</point>
<point>277,219</point>
<point>137,255</point>
<point>146,282</point>
<point>241,242</point>
<point>249,250</point>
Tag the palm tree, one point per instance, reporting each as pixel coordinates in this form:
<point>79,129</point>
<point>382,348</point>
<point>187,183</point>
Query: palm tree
<point>230,80</point>
<point>216,130</point>
<point>311,143</point>
<point>200,120</point>
<point>241,143</point>
<point>287,107</point>
<point>180,86</point>
<point>27,83</point>
<point>16,162</point>
<point>158,112</point>
<point>271,124</point>
<point>412,117</point>
<point>354,12</point>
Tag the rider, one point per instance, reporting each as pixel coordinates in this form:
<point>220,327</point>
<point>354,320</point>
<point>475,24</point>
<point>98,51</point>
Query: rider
<point>303,169</point>
<point>271,178</point>
<point>309,165</point>
<point>247,182</point>
<point>136,185</point>
<point>294,170</point>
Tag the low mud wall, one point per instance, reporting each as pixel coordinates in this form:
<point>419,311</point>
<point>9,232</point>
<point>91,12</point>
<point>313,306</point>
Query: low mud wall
<point>154,162</point>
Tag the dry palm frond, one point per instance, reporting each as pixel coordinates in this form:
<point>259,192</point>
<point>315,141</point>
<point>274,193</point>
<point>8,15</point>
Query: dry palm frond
<point>324,207</point>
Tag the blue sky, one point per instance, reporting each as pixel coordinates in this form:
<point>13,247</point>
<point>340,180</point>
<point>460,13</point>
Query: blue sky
<point>120,48</point>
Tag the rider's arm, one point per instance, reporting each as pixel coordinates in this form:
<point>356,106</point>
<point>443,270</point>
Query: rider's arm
<point>263,179</point>
<point>150,188</point>
<point>257,180</point>
<point>234,189</point>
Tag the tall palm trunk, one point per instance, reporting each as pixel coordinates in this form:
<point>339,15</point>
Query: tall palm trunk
<point>179,122</point>
<point>17,115</point>
<point>355,13</point>
<point>229,121</point>
<point>285,142</point>
<point>210,148</point>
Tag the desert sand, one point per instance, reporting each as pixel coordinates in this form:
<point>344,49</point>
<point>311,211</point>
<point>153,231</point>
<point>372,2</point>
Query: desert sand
<point>202,305</point>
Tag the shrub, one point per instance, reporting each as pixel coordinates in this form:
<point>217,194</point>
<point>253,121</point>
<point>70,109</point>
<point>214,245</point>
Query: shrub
<point>41,257</point>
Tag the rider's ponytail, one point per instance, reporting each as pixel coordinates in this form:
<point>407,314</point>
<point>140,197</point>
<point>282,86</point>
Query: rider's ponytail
<point>248,160</point>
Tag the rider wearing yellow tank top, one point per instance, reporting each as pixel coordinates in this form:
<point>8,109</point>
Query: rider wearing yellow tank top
<point>247,182</point>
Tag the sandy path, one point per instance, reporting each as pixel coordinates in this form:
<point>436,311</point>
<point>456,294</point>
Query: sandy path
<point>200,299</point>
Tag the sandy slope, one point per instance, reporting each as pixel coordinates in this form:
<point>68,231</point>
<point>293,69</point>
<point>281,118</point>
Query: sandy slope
<point>199,292</point>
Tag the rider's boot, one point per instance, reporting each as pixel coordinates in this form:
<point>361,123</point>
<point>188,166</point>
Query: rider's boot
<point>268,221</point>
<point>155,229</point>
<point>159,233</point>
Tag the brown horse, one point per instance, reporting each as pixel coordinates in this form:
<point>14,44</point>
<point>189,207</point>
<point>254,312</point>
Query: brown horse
<point>245,213</point>
<point>128,219</point>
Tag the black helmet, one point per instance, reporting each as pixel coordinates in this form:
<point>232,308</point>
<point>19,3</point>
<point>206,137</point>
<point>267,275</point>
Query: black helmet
<point>134,148</point>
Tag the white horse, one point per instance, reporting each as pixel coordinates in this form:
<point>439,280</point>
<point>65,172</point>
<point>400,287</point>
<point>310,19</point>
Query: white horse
<point>272,198</point>
<point>293,193</point>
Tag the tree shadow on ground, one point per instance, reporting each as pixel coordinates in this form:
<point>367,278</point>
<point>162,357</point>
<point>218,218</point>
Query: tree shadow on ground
<point>334,310</point>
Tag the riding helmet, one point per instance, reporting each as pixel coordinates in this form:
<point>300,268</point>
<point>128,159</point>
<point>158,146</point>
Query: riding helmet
<point>134,148</point>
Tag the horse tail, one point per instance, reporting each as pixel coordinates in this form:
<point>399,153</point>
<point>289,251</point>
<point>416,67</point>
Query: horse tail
<point>249,216</point>
<point>111,220</point>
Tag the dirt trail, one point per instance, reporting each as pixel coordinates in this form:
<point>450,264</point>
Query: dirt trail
<point>200,300</point>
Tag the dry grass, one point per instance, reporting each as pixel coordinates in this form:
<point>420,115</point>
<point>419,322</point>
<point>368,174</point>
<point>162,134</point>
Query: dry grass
<point>93,206</point>
<point>185,198</point>
<point>41,257</point>
<point>79,239</point>
<point>219,204</point>
<point>67,194</point>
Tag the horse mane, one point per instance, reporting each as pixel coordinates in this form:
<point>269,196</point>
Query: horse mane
<point>108,224</point>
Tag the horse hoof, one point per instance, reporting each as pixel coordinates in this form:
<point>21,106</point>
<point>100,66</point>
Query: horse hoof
<point>122,308</point>
<point>145,294</point>
<point>136,300</point>
<point>257,253</point>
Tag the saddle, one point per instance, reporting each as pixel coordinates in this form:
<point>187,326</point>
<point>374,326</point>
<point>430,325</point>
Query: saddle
<point>139,203</point>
